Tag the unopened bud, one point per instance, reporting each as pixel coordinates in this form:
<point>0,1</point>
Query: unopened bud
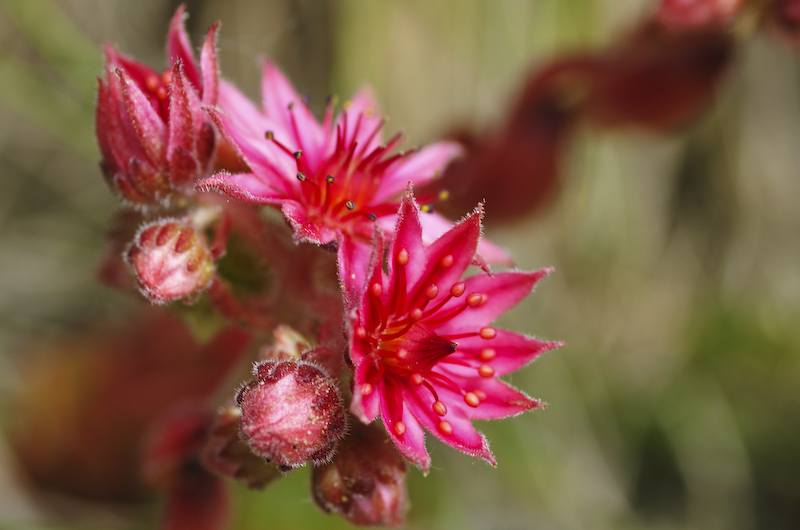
<point>365,481</point>
<point>291,413</point>
<point>289,344</point>
<point>171,260</point>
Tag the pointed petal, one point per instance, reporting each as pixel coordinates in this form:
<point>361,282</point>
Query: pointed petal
<point>354,260</point>
<point>457,246</point>
<point>365,408</point>
<point>434,225</point>
<point>240,114</point>
<point>180,151</point>
<point>361,120</point>
<point>503,291</point>
<point>245,187</point>
<point>150,130</point>
<point>305,228</point>
<point>284,105</point>
<point>419,168</point>
<point>209,67</point>
<point>179,48</point>
<point>502,400</point>
<point>513,351</point>
<point>464,436</point>
<point>412,443</point>
<point>408,237</point>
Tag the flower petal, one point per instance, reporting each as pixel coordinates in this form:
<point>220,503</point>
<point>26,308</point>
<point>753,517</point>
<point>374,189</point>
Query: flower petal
<point>179,48</point>
<point>502,400</point>
<point>149,128</point>
<point>361,121</point>
<point>512,351</point>
<point>419,168</point>
<point>503,291</point>
<point>434,225</point>
<point>306,229</point>
<point>464,436</point>
<point>412,443</point>
<point>209,67</point>
<point>245,187</point>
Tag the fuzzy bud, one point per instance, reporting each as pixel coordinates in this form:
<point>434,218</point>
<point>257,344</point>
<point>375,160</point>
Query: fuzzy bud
<point>291,413</point>
<point>171,260</point>
<point>365,481</point>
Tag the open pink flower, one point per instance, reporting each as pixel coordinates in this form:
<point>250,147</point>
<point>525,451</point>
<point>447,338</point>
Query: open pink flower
<point>333,180</point>
<point>421,343</point>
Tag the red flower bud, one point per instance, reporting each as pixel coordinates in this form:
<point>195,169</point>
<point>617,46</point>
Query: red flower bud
<point>697,13</point>
<point>155,138</point>
<point>365,481</point>
<point>291,413</point>
<point>171,260</point>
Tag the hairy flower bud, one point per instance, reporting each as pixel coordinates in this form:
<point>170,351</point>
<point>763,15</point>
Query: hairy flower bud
<point>155,138</point>
<point>365,481</point>
<point>291,413</point>
<point>171,260</point>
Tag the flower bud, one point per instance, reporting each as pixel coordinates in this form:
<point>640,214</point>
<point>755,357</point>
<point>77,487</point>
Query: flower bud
<point>291,413</point>
<point>171,260</point>
<point>365,481</point>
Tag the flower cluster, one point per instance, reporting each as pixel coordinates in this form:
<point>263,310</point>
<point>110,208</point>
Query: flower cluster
<point>419,349</point>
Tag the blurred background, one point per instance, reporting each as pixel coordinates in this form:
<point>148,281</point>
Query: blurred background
<point>674,405</point>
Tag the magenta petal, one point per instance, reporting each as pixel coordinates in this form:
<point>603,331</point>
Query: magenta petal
<point>240,115</point>
<point>365,408</point>
<point>503,291</point>
<point>408,237</point>
<point>412,443</point>
<point>353,260</point>
<point>285,106</point>
<point>419,168</point>
<point>361,121</point>
<point>464,436</point>
<point>513,352</point>
<point>434,225</point>
<point>149,128</point>
<point>456,246</point>
<point>306,229</point>
<point>245,187</point>
<point>209,67</point>
<point>179,48</point>
<point>502,400</point>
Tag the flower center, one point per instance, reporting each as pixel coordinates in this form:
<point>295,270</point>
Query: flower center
<point>405,344</point>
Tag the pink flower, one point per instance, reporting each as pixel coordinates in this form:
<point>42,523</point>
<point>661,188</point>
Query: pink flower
<point>154,137</point>
<point>421,343</point>
<point>333,180</point>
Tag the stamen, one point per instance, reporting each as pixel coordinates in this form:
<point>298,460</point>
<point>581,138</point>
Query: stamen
<point>431,292</point>
<point>402,257</point>
<point>372,217</point>
<point>440,408</point>
<point>161,93</point>
<point>400,428</point>
<point>474,299</point>
<point>350,205</point>
<point>269,135</point>
<point>360,333</point>
<point>167,77</point>
<point>488,333</point>
<point>376,289</point>
<point>445,428</point>
<point>485,370</point>
<point>329,179</point>
<point>297,154</point>
<point>366,389</point>
<point>416,379</point>
<point>487,354</point>
<point>301,176</point>
<point>444,195</point>
<point>458,288</point>
<point>480,394</point>
<point>426,208</point>
<point>469,398</point>
<point>402,353</point>
<point>446,262</point>
<point>152,83</point>
<point>415,315</point>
